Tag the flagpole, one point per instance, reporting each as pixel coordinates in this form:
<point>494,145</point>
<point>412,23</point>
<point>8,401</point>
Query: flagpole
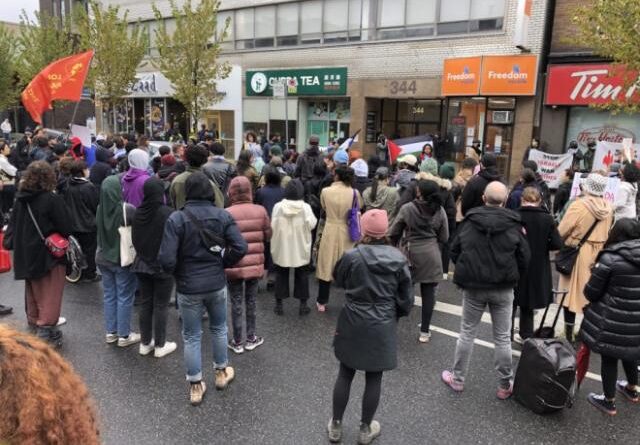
<point>75,109</point>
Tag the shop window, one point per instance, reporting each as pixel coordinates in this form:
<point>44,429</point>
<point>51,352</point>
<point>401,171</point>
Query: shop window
<point>465,123</point>
<point>389,110</point>
<point>355,19</point>
<point>287,24</point>
<point>279,126</point>
<point>485,25</point>
<point>264,26</point>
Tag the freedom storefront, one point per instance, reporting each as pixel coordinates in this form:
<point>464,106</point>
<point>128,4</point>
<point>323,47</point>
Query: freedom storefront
<point>490,99</point>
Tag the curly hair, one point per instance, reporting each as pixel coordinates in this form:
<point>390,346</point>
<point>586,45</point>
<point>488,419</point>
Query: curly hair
<point>43,400</point>
<point>39,177</point>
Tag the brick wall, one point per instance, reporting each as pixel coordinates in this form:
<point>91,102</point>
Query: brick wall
<point>563,27</point>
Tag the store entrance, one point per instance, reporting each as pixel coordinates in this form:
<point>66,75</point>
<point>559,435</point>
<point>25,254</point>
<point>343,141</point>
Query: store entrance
<point>328,119</point>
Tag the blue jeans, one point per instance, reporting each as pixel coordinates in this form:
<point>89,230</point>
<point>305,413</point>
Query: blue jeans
<point>191,307</point>
<point>119,285</point>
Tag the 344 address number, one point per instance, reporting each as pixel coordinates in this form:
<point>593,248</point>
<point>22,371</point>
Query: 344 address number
<point>404,87</point>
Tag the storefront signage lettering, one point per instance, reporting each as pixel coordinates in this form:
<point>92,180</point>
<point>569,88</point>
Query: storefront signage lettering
<point>151,84</point>
<point>590,84</point>
<point>404,87</point>
<point>461,77</point>
<point>145,84</point>
<point>607,133</point>
<point>417,110</point>
<point>302,82</point>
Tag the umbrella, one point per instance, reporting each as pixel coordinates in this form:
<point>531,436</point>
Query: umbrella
<point>582,363</point>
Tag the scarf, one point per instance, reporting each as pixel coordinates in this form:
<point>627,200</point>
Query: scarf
<point>109,218</point>
<point>148,223</point>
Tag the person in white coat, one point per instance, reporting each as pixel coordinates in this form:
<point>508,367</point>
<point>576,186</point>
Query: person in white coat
<point>7,179</point>
<point>292,221</point>
<point>625,203</point>
<point>5,128</point>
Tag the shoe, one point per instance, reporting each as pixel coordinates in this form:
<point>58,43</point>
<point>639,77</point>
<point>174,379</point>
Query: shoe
<point>111,337</point>
<point>270,285</point>
<point>91,278</point>
<point>224,377</point>
<point>445,276</point>
<point>304,309</point>
<point>505,393</point>
<point>236,347</point>
<point>278,310</point>
<point>5,310</point>
<point>368,433</point>
<point>630,394</point>
<point>424,337</point>
<point>51,335</point>
<point>253,343</point>
<point>604,405</point>
<point>132,339</point>
<point>334,430</point>
<point>321,307</point>
<point>168,348</point>
<point>447,378</point>
<point>147,349</point>
<point>61,321</point>
<point>518,339</point>
<point>197,392</point>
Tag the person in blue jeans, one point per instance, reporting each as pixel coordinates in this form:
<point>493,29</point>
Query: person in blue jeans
<point>119,283</point>
<point>199,241</point>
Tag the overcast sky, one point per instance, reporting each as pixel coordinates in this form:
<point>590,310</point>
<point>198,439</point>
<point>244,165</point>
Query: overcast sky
<point>10,9</point>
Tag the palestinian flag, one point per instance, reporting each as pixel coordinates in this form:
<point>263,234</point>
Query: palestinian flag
<point>405,146</point>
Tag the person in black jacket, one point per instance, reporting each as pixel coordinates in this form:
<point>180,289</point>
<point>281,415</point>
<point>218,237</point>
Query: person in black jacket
<point>540,183</point>
<point>103,166</point>
<point>535,285</point>
<point>37,213</point>
<point>491,253</point>
<point>199,241</point>
<point>218,169</point>
<point>308,160</point>
<point>378,289</point>
<point>474,191</point>
<point>611,325</point>
<point>563,193</point>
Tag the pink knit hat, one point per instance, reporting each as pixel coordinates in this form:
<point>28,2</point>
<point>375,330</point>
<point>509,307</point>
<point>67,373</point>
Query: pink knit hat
<point>375,223</point>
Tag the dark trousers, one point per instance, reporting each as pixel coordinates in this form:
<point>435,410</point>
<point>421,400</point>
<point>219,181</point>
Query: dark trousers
<point>236,288</point>
<point>7,194</point>
<point>569,317</point>
<point>444,252</point>
<point>89,244</point>
<point>526,321</point>
<point>428,294</point>
<point>324,289</point>
<point>300,283</point>
<point>609,373</point>
<point>370,399</point>
<point>155,293</point>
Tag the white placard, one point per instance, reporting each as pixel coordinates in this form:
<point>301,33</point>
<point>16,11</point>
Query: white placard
<point>84,133</point>
<point>551,166</point>
<point>609,193</point>
<point>278,90</point>
<point>610,152</point>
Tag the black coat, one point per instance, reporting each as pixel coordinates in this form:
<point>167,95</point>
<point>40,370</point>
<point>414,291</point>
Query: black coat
<point>490,250</point>
<point>81,198</point>
<point>611,324</point>
<point>378,292</point>
<point>361,183</point>
<point>535,285</point>
<point>472,193</point>
<point>307,162</point>
<point>268,196</point>
<point>31,258</point>
<point>562,197</point>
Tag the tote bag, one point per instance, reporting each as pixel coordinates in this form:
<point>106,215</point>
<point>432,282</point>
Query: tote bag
<point>127,251</point>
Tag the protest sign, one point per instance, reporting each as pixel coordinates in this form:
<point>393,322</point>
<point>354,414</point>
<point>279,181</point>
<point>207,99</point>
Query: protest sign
<point>84,133</point>
<point>609,193</point>
<point>551,166</point>
<point>609,152</point>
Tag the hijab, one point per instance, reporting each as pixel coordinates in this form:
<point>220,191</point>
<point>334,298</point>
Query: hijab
<point>109,218</point>
<point>294,190</point>
<point>148,223</point>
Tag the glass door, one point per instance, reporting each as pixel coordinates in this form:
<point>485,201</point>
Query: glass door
<point>320,129</point>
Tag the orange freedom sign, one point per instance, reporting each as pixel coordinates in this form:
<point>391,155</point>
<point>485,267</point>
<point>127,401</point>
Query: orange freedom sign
<point>509,75</point>
<point>461,77</point>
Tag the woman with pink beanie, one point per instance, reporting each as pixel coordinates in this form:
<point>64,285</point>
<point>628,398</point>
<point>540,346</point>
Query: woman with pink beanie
<point>378,291</point>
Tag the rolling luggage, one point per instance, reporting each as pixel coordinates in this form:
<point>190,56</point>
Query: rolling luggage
<point>546,375</point>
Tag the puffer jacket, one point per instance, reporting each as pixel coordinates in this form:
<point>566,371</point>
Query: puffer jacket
<point>611,324</point>
<point>292,223</point>
<point>378,291</point>
<point>490,250</point>
<point>254,225</point>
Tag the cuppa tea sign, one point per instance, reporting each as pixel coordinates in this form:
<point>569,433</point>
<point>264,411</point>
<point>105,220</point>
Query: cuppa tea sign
<point>588,84</point>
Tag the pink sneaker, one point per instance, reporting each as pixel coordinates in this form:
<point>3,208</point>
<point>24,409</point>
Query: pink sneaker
<point>505,393</point>
<point>321,307</point>
<point>447,378</point>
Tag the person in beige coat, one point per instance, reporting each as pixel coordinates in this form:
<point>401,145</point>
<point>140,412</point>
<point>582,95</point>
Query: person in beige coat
<point>336,201</point>
<point>575,224</point>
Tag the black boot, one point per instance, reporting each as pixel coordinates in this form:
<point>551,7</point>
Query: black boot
<point>51,335</point>
<point>568,332</point>
<point>304,308</point>
<point>279,310</point>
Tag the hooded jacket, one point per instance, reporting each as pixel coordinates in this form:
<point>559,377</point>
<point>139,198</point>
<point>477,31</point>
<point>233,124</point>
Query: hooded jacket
<point>31,258</point>
<point>378,291</point>
<point>253,222</point>
<point>490,250</point>
<point>132,186</point>
<point>102,168</point>
<point>473,191</point>
<point>306,163</point>
<point>291,225</point>
<point>611,324</point>
<point>81,198</point>
<point>386,199</point>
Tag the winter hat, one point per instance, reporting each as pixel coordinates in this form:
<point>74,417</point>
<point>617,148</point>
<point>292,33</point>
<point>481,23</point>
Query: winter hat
<point>409,160</point>
<point>341,157</point>
<point>489,160</point>
<point>375,223</point>
<point>429,165</point>
<point>138,159</point>
<point>294,190</point>
<point>276,150</point>
<point>448,170</point>
<point>360,168</point>
<point>595,184</point>
<point>168,160</point>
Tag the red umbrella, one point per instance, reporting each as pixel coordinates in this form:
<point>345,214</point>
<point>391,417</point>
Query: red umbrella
<point>582,363</point>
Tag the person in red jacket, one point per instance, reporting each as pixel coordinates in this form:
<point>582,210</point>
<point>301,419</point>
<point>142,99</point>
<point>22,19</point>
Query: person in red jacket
<point>253,222</point>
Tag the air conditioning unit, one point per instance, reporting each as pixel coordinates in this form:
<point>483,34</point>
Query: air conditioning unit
<point>502,117</point>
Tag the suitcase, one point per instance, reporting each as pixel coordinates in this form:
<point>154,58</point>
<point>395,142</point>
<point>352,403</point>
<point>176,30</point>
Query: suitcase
<point>546,375</point>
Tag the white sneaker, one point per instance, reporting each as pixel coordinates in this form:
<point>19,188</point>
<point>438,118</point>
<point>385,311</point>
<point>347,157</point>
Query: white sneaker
<point>132,339</point>
<point>424,337</point>
<point>168,348</point>
<point>111,338</point>
<point>445,276</point>
<point>61,321</point>
<point>146,349</point>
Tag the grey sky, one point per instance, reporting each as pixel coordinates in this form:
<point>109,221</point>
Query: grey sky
<point>10,9</point>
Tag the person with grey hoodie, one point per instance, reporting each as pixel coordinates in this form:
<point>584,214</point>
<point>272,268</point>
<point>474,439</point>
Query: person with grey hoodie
<point>380,195</point>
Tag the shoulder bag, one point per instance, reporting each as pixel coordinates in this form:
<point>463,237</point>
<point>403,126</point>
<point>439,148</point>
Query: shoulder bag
<point>56,244</point>
<point>212,241</point>
<point>353,219</point>
<point>127,251</point>
<point>567,255</point>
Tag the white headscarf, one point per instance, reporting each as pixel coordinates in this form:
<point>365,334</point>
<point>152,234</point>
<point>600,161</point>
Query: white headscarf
<point>138,159</point>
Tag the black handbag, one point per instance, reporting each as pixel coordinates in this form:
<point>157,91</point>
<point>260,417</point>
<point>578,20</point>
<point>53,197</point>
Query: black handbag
<point>567,255</point>
<point>211,240</point>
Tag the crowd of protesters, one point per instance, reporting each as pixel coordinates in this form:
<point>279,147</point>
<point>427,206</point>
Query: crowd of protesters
<point>185,220</point>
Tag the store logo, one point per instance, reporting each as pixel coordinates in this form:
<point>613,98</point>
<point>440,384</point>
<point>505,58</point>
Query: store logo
<point>465,77</point>
<point>514,76</point>
<point>259,83</point>
<point>606,133</point>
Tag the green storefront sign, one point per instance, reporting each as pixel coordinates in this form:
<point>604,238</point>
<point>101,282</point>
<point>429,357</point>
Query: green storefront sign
<point>300,82</point>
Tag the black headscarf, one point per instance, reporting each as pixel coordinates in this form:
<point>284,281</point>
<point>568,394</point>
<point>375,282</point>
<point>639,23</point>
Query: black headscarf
<point>294,190</point>
<point>148,223</point>
<point>198,188</point>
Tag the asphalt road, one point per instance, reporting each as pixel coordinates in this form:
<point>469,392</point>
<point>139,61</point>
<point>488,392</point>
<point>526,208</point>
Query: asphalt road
<point>282,391</point>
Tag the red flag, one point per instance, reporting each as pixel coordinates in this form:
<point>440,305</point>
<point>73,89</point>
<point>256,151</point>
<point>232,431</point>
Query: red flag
<point>394,150</point>
<point>61,80</point>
